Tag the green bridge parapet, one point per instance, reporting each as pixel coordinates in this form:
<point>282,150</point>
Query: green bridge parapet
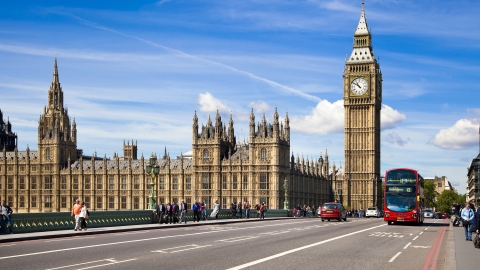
<point>40,222</point>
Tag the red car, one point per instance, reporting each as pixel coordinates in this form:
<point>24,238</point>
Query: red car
<point>333,210</point>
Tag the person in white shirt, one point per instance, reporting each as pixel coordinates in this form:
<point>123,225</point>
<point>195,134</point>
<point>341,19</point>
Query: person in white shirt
<point>83,216</point>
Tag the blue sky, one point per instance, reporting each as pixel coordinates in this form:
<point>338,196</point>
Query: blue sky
<point>139,69</point>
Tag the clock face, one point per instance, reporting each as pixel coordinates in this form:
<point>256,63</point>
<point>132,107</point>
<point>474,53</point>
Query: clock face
<point>359,86</point>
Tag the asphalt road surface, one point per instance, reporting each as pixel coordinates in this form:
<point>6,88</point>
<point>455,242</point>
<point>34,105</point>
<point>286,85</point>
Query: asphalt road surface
<point>303,243</point>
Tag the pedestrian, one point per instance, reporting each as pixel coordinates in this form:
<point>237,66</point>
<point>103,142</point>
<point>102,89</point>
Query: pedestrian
<point>77,207</point>
<point>161,213</point>
<point>6,216</point>
<point>239,209</point>
<point>216,209</point>
<point>299,209</point>
<point>169,213</point>
<point>477,217</point>
<point>294,212</point>
<point>83,216</point>
<point>204,210</point>
<point>196,211</point>
<point>313,210</point>
<point>175,212</point>
<point>233,210</point>
<point>262,211</point>
<point>247,210</point>
<point>257,207</point>
<point>183,208</point>
<point>467,215</point>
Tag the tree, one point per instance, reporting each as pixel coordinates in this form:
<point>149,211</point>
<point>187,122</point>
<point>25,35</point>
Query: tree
<point>446,200</point>
<point>429,193</point>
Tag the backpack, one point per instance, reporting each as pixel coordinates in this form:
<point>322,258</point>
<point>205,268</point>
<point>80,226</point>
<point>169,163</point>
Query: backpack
<point>476,241</point>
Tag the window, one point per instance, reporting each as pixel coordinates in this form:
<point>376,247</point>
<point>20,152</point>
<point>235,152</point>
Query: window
<point>162,182</point>
<point>111,202</point>
<point>245,182</point>
<point>87,183</point>
<point>22,201</point>
<point>263,154</point>
<point>10,182</point>
<point>136,182</point>
<point>99,182</point>
<point>149,186</point>
<point>224,182</point>
<point>48,202</point>
<point>160,199</point>
<point>112,183</point>
<point>47,154</point>
<point>175,183</point>
<point>47,168</point>
<point>188,201</point>
<point>63,202</point>
<point>10,168</point>
<point>22,168</point>
<point>48,182</point>
<point>174,200</point>
<point>206,154</point>
<point>439,184</point>
<point>33,203</point>
<point>205,181</point>
<point>34,168</point>
<point>188,181</point>
<point>87,202</point>
<point>235,182</point>
<point>99,202</point>
<point>22,182</point>
<point>124,202</point>
<point>263,181</point>
<point>264,200</point>
<point>224,203</point>
<point>75,183</point>
<point>64,182</point>
<point>124,182</point>
<point>136,202</point>
<point>9,201</point>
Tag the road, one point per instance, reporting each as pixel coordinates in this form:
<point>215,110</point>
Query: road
<point>304,243</point>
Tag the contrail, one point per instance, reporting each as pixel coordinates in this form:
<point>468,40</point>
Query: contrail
<point>186,55</point>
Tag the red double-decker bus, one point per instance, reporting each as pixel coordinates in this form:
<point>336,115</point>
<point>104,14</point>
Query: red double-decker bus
<point>404,199</point>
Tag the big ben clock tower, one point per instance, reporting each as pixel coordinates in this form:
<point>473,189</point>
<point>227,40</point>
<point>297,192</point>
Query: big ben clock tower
<point>362,95</point>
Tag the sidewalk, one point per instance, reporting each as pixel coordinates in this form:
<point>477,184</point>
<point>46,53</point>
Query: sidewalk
<point>465,255</point>
<point>67,233</point>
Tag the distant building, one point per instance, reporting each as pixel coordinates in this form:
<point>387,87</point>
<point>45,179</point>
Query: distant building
<point>441,183</point>
<point>473,180</point>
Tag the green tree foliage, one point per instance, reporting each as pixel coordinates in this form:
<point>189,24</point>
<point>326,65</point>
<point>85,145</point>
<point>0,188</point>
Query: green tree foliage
<point>447,199</point>
<point>429,193</point>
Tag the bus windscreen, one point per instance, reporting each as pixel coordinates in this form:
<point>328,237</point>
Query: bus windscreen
<point>401,177</point>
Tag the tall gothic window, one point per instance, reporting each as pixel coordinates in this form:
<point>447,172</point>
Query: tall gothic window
<point>124,182</point>
<point>48,201</point>
<point>111,183</point>
<point>263,154</point>
<point>10,182</point>
<point>245,182</point>
<point>21,202</point>
<point>63,202</point>
<point>175,183</point>
<point>136,182</point>
<point>99,202</point>
<point>87,202</point>
<point>33,182</point>
<point>235,182</point>
<point>64,182</point>
<point>263,181</point>
<point>47,154</point>
<point>48,182</point>
<point>162,182</point>
<point>206,154</point>
<point>111,202</point>
<point>136,202</point>
<point>188,183</point>
<point>87,182</point>
<point>22,182</point>
<point>99,183</point>
<point>205,181</point>
<point>224,182</point>
<point>75,183</point>
<point>33,202</point>
<point>123,202</point>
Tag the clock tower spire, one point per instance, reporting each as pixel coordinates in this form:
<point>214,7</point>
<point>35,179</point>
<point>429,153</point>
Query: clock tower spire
<point>362,95</point>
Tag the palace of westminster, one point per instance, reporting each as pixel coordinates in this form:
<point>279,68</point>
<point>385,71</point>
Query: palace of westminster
<point>51,178</point>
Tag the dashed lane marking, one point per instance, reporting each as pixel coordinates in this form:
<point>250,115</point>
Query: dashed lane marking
<point>109,260</point>
<point>394,257</point>
<point>236,239</point>
<point>407,245</point>
<point>415,238</point>
<point>180,248</point>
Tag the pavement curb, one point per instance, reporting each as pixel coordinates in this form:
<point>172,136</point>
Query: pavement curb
<point>450,259</point>
<point>117,229</point>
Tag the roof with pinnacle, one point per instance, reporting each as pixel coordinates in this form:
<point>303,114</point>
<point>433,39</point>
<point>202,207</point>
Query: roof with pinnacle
<point>21,155</point>
<point>123,164</point>
<point>362,28</point>
<point>240,154</point>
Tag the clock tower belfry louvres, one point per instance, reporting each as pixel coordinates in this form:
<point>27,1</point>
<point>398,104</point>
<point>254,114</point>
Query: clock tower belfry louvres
<point>362,95</point>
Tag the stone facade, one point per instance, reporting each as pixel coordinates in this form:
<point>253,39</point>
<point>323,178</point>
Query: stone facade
<point>8,139</point>
<point>51,178</point>
<point>362,80</point>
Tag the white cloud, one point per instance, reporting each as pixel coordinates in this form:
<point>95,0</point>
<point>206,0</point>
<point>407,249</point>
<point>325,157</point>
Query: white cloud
<point>325,118</point>
<point>390,117</point>
<point>463,134</point>
<point>260,106</point>
<point>394,138</point>
<point>209,103</point>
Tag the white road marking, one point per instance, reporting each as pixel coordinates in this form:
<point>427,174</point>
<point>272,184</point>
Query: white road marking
<point>115,262</point>
<point>274,233</point>
<point>236,239</point>
<point>300,248</point>
<point>130,233</point>
<point>77,264</point>
<point>178,249</point>
<point>407,245</point>
<point>426,228</point>
<point>68,239</point>
<point>394,257</point>
<point>421,246</point>
<point>7,245</point>
<point>415,238</point>
<point>420,233</point>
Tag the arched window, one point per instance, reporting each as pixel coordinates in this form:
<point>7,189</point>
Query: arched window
<point>263,154</point>
<point>206,154</point>
<point>47,154</point>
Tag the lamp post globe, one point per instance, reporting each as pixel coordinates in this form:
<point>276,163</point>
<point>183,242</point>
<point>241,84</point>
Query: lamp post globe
<point>152,169</point>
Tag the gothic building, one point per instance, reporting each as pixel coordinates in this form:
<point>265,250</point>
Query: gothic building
<point>8,139</point>
<point>51,178</point>
<point>362,95</point>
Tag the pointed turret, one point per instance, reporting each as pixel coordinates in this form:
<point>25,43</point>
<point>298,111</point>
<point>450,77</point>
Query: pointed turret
<point>252,124</point>
<point>362,42</point>
<point>362,28</point>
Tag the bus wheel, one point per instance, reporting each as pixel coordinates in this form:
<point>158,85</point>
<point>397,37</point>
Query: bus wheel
<point>390,223</point>
<point>323,220</point>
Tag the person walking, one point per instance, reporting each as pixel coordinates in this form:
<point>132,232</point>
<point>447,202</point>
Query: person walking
<point>204,210</point>
<point>216,209</point>
<point>467,215</point>
<point>239,209</point>
<point>77,207</point>
<point>169,213</point>
<point>6,217</point>
<point>247,210</point>
<point>183,209</point>
<point>161,213</point>
<point>196,211</point>
<point>477,217</point>
<point>83,216</point>
<point>175,212</point>
<point>262,211</point>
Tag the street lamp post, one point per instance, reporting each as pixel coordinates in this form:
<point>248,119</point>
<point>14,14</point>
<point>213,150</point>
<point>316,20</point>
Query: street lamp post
<point>285,187</point>
<point>152,170</point>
